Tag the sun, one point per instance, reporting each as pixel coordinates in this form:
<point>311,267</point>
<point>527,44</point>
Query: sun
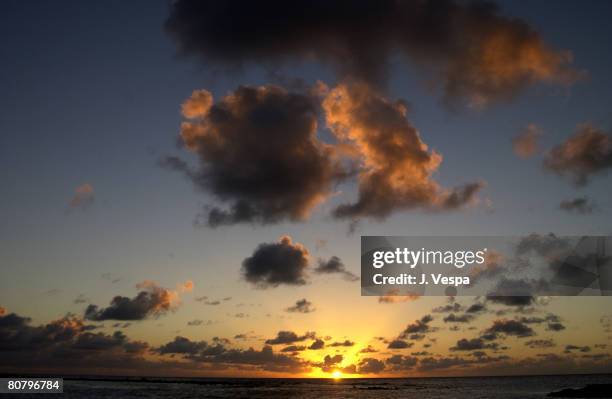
<point>336,375</point>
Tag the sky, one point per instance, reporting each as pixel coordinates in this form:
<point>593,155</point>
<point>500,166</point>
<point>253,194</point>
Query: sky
<point>184,186</point>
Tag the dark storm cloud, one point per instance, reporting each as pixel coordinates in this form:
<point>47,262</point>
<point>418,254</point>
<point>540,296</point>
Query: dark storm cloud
<point>151,301</point>
<point>289,337</point>
<point>510,327</point>
<point>476,53</point>
<point>585,154</point>
<point>258,152</point>
<point>580,205</point>
<point>334,265</point>
<point>272,264</point>
<point>396,165</point>
<point>301,306</point>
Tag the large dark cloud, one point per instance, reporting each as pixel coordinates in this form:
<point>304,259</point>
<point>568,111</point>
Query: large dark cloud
<point>218,355</point>
<point>16,333</point>
<point>66,342</point>
<point>476,53</point>
<point>272,264</point>
<point>258,152</point>
<point>334,265</point>
<point>396,165</point>
<point>151,301</point>
<point>585,154</point>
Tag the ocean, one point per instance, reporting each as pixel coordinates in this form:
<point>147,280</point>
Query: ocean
<point>421,388</point>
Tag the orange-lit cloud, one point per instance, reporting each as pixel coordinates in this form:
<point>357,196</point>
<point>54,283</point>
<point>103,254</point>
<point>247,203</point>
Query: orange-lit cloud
<point>396,165</point>
<point>393,296</point>
<point>258,149</point>
<point>585,154</point>
<point>151,301</point>
<point>197,105</point>
<point>187,286</point>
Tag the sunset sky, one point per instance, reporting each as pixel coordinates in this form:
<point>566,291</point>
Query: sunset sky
<point>184,184</point>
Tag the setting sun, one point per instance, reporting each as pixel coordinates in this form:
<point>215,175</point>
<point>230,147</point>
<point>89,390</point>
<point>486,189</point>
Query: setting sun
<point>337,374</point>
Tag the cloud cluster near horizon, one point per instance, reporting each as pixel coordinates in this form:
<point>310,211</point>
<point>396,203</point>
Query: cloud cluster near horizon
<point>487,346</point>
